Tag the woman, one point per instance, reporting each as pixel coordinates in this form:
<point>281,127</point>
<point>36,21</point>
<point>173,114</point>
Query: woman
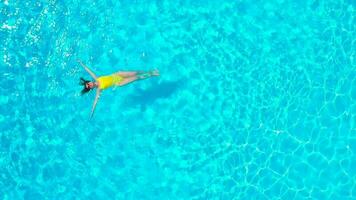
<point>116,79</point>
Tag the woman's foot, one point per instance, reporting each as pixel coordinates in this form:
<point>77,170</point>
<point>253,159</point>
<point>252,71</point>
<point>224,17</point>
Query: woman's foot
<point>154,72</point>
<point>148,74</point>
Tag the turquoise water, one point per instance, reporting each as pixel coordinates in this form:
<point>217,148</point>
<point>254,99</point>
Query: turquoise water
<point>256,100</point>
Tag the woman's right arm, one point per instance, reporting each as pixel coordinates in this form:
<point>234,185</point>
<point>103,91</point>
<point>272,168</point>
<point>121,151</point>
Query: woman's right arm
<point>88,70</point>
<point>97,96</point>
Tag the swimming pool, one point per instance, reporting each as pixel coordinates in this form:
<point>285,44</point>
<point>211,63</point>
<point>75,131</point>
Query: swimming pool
<point>256,100</point>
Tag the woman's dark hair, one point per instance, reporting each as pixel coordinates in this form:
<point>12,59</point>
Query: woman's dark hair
<point>84,83</point>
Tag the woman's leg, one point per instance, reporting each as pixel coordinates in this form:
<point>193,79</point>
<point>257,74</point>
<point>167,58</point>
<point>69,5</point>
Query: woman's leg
<point>148,74</point>
<point>128,73</point>
<point>128,80</point>
<point>138,73</point>
<point>139,76</point>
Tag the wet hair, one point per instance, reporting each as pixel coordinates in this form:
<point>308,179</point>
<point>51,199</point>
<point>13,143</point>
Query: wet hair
<point>84,83</point>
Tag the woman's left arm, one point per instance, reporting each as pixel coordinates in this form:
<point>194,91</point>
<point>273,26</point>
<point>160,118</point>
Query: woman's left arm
<point>88,70</point>
<point>95,101</point>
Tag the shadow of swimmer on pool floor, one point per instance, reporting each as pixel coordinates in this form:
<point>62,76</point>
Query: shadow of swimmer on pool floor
<point>144,97</point>
<point>120,78</point>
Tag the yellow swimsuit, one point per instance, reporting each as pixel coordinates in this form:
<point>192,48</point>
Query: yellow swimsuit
<point>108,81</point>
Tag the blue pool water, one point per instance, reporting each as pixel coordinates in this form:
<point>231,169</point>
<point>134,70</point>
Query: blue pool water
<point>256,100</point>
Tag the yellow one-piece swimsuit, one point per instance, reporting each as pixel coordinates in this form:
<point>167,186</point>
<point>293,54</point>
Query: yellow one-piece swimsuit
<point>108,81</point>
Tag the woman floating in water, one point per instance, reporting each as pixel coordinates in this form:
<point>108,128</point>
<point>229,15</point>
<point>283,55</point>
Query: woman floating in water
<point>116,79</point>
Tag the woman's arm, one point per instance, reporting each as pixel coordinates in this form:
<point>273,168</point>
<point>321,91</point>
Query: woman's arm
<point>95,101</point>
<point>88,70</point>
